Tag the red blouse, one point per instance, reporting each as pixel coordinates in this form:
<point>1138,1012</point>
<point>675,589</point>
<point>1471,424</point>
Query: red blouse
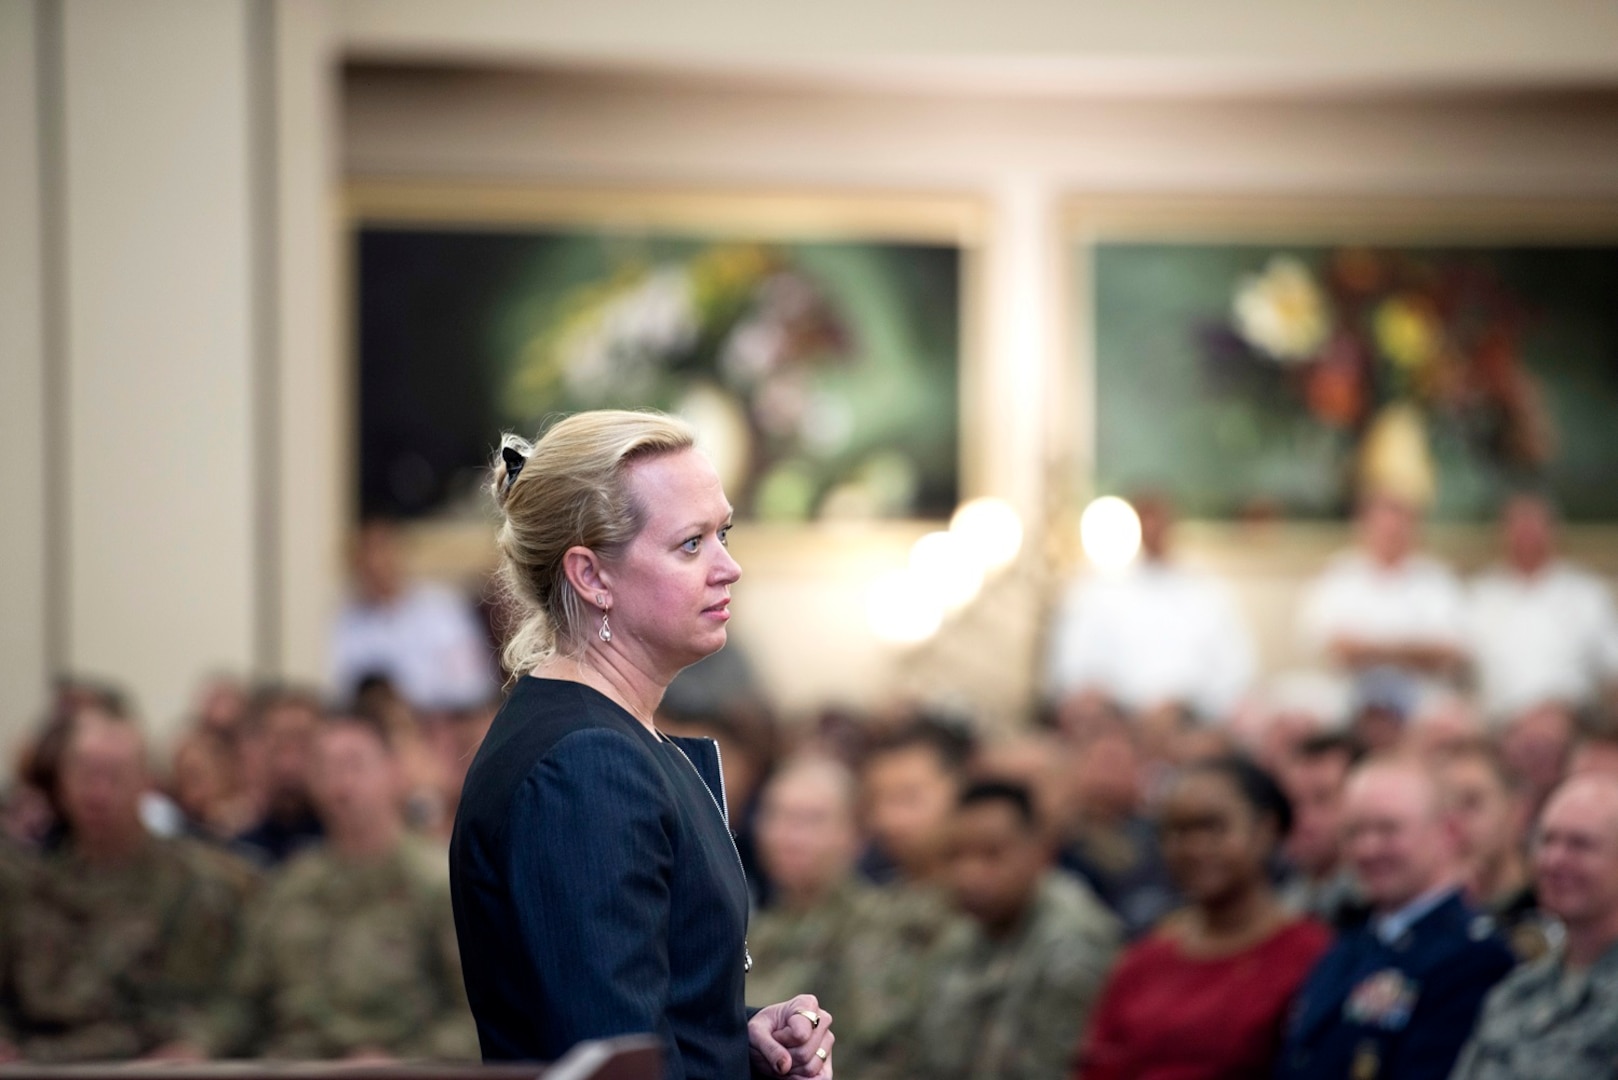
<point>1167,1015</point>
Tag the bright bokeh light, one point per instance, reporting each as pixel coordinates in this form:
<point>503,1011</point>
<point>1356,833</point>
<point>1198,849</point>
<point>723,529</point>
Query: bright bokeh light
<point>991,530</point>
<point>1110,533</point>
<point>901,609</point>
<point>946,566</point>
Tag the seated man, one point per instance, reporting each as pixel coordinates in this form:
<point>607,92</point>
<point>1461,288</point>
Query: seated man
<point>116,937</point>
<point>1016,981</point>
<point>1396,999</point>
<point>1157,634</point>
<point>1537,745</point>
<point>1542,629</point>
<point>910,782</point>
<point>1319,882</point>
<point>1386,605</point>
<point>425,639</point>
<point>352,952</point>
<point>1109,842</point>
<point>1558,1017</point>
<point>1487,801</point>
<point>808,839</point>
<point>283,722</point>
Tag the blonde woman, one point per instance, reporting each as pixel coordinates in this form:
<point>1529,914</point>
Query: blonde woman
<point>597,890</point>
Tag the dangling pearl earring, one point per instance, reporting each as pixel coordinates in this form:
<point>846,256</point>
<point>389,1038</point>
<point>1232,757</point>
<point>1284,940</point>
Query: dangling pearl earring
<point>605,633</point>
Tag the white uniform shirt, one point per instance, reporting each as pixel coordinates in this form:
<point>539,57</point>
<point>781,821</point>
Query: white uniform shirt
<point>1417,602</point>
<point>1150,635</point>
<point>426,642</point>
<point>1549,637</point>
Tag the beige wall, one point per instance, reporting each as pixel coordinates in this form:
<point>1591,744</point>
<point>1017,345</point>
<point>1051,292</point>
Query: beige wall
<point>159,416</point>
<point>307,494</point>
<point>192,225</point>
<point>23,521</point>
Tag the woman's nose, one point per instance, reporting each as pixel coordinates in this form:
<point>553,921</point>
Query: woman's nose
<point>728,569</point>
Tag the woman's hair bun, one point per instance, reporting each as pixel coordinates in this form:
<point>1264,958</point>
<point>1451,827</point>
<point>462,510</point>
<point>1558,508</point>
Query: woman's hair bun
<point>508,465</point>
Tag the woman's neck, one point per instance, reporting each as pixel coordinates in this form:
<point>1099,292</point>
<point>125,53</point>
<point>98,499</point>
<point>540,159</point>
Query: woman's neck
<point>1233,921</point>
<point>610,672</point>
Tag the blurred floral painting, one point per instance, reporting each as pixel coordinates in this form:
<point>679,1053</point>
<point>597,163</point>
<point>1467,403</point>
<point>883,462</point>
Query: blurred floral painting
<point>822,376</point>
<point>1264,381</point>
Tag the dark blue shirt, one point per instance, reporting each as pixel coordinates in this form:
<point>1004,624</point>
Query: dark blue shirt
<point>596,889</point>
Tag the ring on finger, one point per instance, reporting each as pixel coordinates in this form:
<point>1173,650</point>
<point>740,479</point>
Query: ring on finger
<point>810,1015</point>
<point>821,1053</point>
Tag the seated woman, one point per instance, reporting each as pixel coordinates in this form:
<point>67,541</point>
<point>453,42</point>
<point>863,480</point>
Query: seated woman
<point>1205,995</point>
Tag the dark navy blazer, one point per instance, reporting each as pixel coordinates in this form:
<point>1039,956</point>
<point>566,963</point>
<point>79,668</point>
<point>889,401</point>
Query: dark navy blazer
<point>596,889</point>
<point>1397,1011</point>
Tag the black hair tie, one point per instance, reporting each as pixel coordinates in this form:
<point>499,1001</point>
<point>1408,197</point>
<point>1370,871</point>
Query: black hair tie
<point>514,460</point>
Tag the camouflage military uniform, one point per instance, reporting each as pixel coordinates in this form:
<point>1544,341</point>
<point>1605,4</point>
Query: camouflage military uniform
<point>804,952</point>
<point>111,961</point>
<point>1015,1009</point>
<point>343,957</point>
<point>17,868</point>
<point>867,954</point>
<point>1545,1023</point>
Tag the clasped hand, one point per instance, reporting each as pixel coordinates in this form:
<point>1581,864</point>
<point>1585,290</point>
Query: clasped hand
<point>784,1040</point>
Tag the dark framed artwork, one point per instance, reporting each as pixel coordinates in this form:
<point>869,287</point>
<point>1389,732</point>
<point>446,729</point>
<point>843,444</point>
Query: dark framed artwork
<point>816,344</point>
<point>1270,363</point>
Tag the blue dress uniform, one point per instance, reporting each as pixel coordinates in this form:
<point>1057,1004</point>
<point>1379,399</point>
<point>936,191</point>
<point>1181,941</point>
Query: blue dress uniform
<point>1395,1005</point>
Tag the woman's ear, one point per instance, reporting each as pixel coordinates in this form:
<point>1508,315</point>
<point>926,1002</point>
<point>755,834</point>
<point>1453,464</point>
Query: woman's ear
<point>587,574</point>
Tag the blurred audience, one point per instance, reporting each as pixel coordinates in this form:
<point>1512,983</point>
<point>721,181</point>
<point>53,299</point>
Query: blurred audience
<point>1109,841</point>
<point>1207,993</point>
<point>1157,633</point>
<point>351,953</point>
<point>1043,763</point>
<point>1018,976</point>
<point>1595,752</point>
<point>1558,1017</point>
<point>1319,882</point>
<point>1542,630</point>
<point>1384,701</point>
<point>1385,604</point>
<point>808,841</point>
<point>117,937</point>
<point>910,780</point>
<point>1397,998</point>
<point>424,639</point>
<point>1537,745</point>
<point>222,703</point>
<point>204,785</point>
<point>956,904</point>
<point>1444,720</point>
<point>1491,816</point>
<point>422,774</point>
<point>284,721</point>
